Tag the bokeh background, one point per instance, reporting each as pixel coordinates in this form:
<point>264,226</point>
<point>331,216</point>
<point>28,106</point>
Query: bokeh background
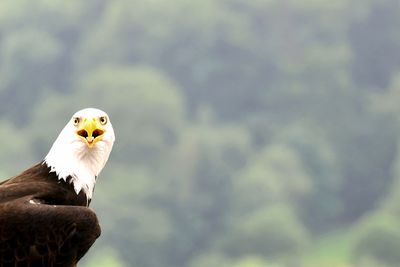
<point>250,133</point>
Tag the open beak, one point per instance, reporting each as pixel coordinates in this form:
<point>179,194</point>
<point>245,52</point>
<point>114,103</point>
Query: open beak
<point>91,131</point>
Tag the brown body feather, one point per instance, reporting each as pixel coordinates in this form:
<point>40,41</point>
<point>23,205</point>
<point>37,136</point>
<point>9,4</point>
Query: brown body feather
<point>43,222</point>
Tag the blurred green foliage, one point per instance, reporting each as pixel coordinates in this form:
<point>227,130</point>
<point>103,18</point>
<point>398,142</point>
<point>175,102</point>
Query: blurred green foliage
<point>256,133</point>
<point>378,238</point>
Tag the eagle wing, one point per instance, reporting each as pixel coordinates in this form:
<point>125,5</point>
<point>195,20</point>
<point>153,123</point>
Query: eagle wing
<point>36,233</point>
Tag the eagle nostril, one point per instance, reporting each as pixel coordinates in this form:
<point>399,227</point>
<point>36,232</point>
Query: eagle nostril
<point>83,133</point>
<point>97,133</point>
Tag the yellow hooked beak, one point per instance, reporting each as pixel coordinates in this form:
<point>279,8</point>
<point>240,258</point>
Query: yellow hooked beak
<point>91,131</point>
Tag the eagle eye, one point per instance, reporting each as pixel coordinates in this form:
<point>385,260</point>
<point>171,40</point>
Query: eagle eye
<point>103,120</point>
<point>75,121</point>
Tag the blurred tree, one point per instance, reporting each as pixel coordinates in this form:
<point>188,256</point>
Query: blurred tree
<point>375,43</point>
<point>29,60</point>
<point>272,233</point>
<point>200,198</point>
<point>219,261</point>
<point>107,258</point>
<point>254,262</point>
<point>318,159</point>
<point>15,150</point>
<point>276,174</point>
<point>137,227</point>
<point>378,239</point>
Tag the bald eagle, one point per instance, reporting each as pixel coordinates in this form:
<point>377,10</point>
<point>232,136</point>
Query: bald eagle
<point>45,219</point>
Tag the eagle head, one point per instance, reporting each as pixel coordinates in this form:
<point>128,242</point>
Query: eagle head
<point>82,149</point>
